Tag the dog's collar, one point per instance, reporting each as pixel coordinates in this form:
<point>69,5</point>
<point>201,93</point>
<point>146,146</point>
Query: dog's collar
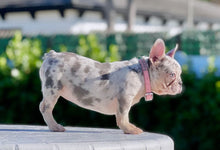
<point>144,67</point>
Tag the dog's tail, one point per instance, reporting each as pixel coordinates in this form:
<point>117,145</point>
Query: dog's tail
<point>50,53</point>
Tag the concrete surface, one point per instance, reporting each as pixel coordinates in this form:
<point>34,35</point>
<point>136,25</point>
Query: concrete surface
<point>26,137</point>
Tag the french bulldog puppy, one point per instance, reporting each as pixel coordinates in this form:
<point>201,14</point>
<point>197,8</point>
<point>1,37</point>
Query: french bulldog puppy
<point>107,88</point>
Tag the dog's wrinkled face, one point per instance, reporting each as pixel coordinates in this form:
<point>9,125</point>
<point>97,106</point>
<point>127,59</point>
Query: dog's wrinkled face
<point>165,71</point>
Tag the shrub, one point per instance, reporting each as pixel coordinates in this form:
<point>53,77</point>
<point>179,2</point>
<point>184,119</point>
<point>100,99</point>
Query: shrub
<point>19,84</point>
<point>89,47</point>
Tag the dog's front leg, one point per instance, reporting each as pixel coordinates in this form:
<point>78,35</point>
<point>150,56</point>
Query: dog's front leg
<point>122,118</point>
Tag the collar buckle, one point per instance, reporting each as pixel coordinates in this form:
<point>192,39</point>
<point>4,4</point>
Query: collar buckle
<point>149,96</point>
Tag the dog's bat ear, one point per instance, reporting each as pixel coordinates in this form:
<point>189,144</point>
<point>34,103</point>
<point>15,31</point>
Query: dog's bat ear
<point>157,51</point>
<point>172,52</point>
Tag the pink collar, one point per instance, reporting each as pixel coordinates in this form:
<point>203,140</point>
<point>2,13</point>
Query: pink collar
<point>144,67</point>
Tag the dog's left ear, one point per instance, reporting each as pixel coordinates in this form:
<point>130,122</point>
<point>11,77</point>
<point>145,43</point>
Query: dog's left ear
<point>157,51</point>
<point>172,52</point>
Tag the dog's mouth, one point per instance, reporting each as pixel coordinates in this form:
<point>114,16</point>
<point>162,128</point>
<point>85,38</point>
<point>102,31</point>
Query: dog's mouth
<point>169,84</point>
<point>175,89</point>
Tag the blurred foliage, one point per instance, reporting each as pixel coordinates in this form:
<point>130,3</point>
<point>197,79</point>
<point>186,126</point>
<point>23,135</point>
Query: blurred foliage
<point>192,118</point>
<point>19,80</point>
<point>89,47</point>
<point>21,56</point>
<point>130,45</point>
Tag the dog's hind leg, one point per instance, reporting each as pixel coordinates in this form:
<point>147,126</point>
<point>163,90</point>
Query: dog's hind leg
<point>46,109</point>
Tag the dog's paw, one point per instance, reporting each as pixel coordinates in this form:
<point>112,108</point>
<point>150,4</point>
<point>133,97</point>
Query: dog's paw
<point>57,128</point>
<point>132,129</point>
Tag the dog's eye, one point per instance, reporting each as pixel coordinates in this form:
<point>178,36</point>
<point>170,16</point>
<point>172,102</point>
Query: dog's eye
<point>172,75</point>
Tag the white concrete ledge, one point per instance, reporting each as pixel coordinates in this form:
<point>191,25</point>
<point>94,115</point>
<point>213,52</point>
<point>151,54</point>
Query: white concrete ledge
<point>23,137</point>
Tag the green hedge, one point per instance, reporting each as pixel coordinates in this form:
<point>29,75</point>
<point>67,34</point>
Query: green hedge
<point>192,118</point>
<point>130,45</point>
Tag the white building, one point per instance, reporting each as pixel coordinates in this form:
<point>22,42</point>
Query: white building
<point>34,17</point>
